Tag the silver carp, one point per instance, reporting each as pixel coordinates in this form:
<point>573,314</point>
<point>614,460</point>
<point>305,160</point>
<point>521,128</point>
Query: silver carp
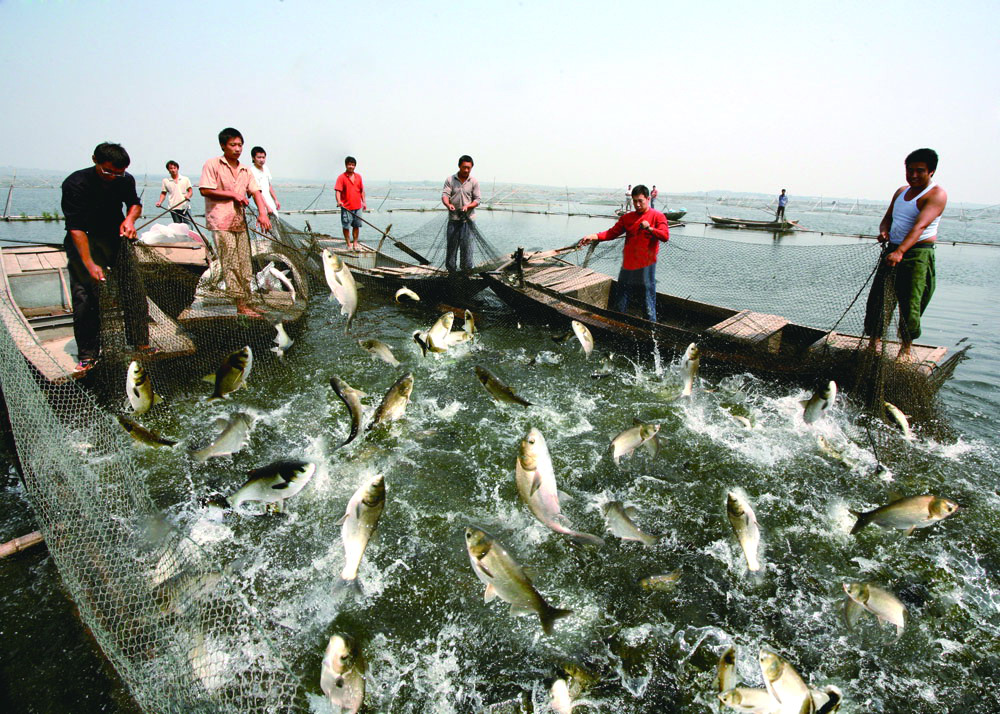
<point>274,483</point>
<point>233,373</point>
<point>689,368</point>
<point>817,405</point>
<point>583,334</point>
<point>342,285</point>
<point>785,684</point>
<point>897,417</point>
<point>282,342</point>
<point>750,701</point>
<point>881,603</point>
<point>351,398</point>
<point>143,435</point>
<point>503,577</point>
<point>497,389</point>
<point>405,292</point>
<point>744,523</point>
<point>139,389</point>
<point>907,514</point>
<point>359,522</point>
<point>536,484</point>
<point>394,402</point>
<point>640,435</point>
<point>342,677</point>
<point>235,432</point>
<point>437,336</point>
<point>379,349</point>
<point>619,520</point>
<point>469,324</point>
<point>661,583</point>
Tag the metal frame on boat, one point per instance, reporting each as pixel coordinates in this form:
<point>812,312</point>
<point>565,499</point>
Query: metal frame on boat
<point>550,288</point>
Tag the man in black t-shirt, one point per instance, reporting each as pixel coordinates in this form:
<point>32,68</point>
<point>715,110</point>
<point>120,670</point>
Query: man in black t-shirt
<point>92,201</point>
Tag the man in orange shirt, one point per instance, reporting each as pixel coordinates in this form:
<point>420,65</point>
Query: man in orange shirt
<point>225,183</point>
<point>350,190</point>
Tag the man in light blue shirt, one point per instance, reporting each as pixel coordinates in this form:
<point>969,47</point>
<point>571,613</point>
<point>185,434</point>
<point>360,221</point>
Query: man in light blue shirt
<point>782,202</point>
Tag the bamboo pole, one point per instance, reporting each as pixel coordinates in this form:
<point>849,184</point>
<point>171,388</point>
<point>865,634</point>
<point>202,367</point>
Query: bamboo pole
<point>19,544</point>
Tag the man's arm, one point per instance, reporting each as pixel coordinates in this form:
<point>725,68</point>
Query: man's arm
<point>163,194</point>
<point>933,207</point>
<point>262,218</point>
<point>659,228</point>
<point>446,197</point>
<point>476,196</point>
<point>616,230</point>
<point>364,198</point>
<point>220,195</point>
<point>277,203</point>
<point>127,227</point>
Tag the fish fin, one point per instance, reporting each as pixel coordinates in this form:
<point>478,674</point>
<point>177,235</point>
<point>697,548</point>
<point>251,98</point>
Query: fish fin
<point>585,539</point>
<point>522,401</point>
<point>280,486</point>
<point>852,613</point>
<point>210,378</point>
<point>485,571</point>
<point>221,423</point>
<point>863,520</point>
<point>804,403</point>
<point>563,496</point>
<point>490,593</point>
<point>632,512</point>
<point>536,483</point>
<point>157,398</point>
<point>652,446</point>
<point>550,615</point>
<point>342,520</point>
<point>909,531</point>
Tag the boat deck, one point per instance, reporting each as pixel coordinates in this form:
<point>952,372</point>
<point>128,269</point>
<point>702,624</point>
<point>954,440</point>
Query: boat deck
<point>216,306</point>
<point>36,308</point>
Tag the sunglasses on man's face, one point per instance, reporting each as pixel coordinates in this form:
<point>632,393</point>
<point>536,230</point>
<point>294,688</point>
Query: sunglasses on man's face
<point>110,172</point>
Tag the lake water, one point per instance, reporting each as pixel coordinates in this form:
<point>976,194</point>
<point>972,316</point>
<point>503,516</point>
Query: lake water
<point>434,645</point>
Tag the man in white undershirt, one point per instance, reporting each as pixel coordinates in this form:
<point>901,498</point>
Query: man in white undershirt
<point>262,175</point>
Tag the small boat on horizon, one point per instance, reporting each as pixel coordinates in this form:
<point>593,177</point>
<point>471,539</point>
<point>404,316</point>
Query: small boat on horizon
<point>774,226</point>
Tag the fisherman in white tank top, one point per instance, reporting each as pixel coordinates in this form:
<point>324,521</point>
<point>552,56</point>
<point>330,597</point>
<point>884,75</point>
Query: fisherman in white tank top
<point>909,227</point>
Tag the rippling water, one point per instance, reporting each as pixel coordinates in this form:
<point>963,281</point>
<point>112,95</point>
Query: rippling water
<point>434,645</point>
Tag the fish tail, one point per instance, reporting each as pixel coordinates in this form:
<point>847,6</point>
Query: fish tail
<point>550,615</point>
<point>522,401</point>
<point>863,520</point>
<point>351,585</point>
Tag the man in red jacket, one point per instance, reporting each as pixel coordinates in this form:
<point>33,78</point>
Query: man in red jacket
<point>644,229</point>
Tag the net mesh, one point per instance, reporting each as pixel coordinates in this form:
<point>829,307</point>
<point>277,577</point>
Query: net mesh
<point>175,624</point>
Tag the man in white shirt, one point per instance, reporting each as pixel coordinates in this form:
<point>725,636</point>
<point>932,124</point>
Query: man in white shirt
<point>177,190</point>
<point>262,175</point>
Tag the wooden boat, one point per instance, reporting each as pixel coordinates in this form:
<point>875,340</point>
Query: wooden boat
<point>775,226</point>
<point>550,288</point>
<point>36,308</point>
<point>675,215</point>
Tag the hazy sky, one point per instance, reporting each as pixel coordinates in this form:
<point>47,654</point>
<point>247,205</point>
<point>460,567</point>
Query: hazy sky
<point>819,98</point>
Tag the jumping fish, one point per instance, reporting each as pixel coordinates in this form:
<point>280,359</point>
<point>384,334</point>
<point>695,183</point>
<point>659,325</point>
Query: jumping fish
<point>282,342</point>
<point>498,389</point>
<point>619,520</point>
<point>907,514</point>
<point>233,373</point>
<point>342,285</point>
<point>897,417</point>
<point>784,684</point>
<point>379,349</point>
<point>536,484</point>
<point>744,523</point>
<point>406,293</point>
<point>351,398</point>
<point>142,434</point>
<point>274,483</point>
<point>818,404</point>
<point>394,402</point>
<point>235,432</point>
<point>750,701</point>
<point>725,671</point>
<point>689,368</point>
<point>661,583</point>
<point>359,522</point>
<point>640,435</point>
<point>503,577</point>
<point>342,677</point>
<point>139,389</point>
<point>583,334</point>
<point>436,337</point>
<point>469,324</point>
<point>881,603</point>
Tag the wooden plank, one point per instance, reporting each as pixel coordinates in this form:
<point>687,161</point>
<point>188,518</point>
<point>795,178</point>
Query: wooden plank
<point>753,328</point>
<point>10,264</point>
<point>29,261</point>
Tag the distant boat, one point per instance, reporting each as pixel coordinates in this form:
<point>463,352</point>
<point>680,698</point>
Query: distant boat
<point>776,226</point>
<point>675,215</point>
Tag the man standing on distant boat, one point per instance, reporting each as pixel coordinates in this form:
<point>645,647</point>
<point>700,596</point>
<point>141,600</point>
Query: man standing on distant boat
<point>906,267</point>
<point>262,175</point>
<point>460,196</point>
<point>350,190</point>
<point>177,190</point>
<point>225,183</point>
<point>652,197</point>
<point>92,201</point>
<point>644,230</point>
<point>779,215</point>
<point>627,206</point>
